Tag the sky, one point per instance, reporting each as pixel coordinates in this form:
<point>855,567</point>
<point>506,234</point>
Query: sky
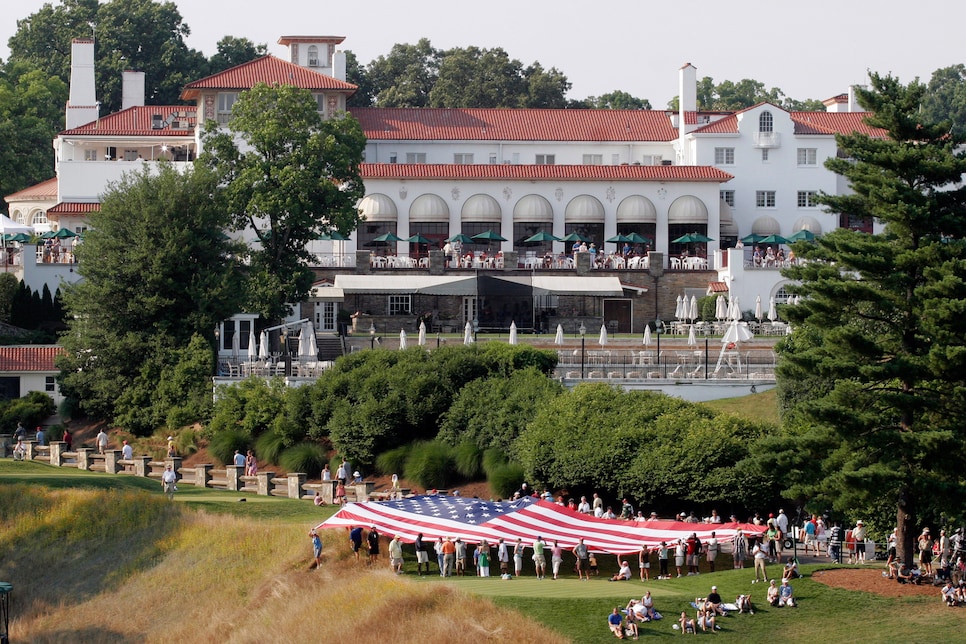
<point>811,50</point>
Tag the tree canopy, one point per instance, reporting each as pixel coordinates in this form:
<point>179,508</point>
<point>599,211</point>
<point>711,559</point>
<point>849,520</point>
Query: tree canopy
<point>157,272</point>
<point>287,175</point>
<point>883,324</point>
<point>729,96</point>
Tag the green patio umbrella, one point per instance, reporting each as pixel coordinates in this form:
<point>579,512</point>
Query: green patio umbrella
<point>386,238</point>
<point>618,239</point>
<point>489,236</point>
<point>802,235</point>
<point>774,239</point>
<point>418,239</point>
<point>576,237</point>
<point>692,238</point>
<point>634,238</point>
<point>460,238</point>
<point>541,237</point>
<point>64,233</point>
<point>753,238</point>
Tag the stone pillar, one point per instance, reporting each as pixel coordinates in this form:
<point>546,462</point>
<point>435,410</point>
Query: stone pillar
<point>175,463</point>
<point>265,485</point>
<point>363,489</point>
<point>203,475</point>
<point>510,260</point>
<point>295,482</point>
<point>582,263</point>
<point>142,465</point>
<point>233,474</point>
<point>112,459</point>
<point>30,450</point>
<point>437,262</point>
<point>84,458</point>
<point>328,491</point>
<point>5,446</point>
<point>363,267</point>
<point>57,453</point>
<point>655,263</point>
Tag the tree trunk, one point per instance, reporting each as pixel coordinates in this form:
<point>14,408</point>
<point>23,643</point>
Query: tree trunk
<point>905,527</point>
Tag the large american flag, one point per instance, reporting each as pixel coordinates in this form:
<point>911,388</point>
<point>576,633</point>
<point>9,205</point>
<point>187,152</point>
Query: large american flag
<point>474,520</point>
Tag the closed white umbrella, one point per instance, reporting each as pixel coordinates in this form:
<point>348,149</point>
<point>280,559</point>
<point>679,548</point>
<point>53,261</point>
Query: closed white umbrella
<point>559,338</point>
<point>721,307</point>
<point>307,347</point>
<point>758,308</point>
<point>737,332</point>
<point>513,332</point>
<point>422,334</point>
<point>647,336</point>
<point>402,339</point>
<point>235,343</point>
<point>263,344</point>
<point>603,335</point>
<point>772,310</point>
<point>678,313</point>
<point>693,309</point>
<point>468,334</point>
<point>252,346</point>
<point>692,340</point>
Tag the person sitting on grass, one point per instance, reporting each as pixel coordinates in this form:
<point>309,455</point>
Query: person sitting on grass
<point>616,623</point>
<point>948,593</point>
<point>624,574</point>
<point>686,624</point>
<point>743,602</point>
<point>630,624</point>
<point>773,593</point>
<point>785,595</point>
<point>706,617</point>
<point>714,599</point>
<point>906,575</point>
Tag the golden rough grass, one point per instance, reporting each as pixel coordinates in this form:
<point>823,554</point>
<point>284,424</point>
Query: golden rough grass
<point>95,566</point>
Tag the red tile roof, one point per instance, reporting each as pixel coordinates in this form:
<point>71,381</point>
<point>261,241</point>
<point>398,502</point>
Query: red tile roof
<point>471,124</point>
<point>544,172</point>
<point>73,208</point>
<point>835,123</point>
<point>29,358</point>
<point>139,120</point>
<point>43,190</point>
<point>267,69</point>
<point>717,287</point>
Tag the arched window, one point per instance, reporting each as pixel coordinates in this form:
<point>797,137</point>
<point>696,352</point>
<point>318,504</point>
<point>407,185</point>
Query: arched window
<point>766,123</point>
<point>313,56</point>
<point>40,217</point>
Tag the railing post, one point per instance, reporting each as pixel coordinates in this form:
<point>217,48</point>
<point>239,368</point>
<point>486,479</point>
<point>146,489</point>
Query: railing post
<point>57,453</point>
<point>265,484</point>
<point>233,473</point>
<point>202,475</point>
<point>111,458</point>
<point>142,465</point>
<point>84,458</point>
<point>295,482</point>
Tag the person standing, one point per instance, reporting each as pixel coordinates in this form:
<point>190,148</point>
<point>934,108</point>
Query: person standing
<point>644,562</point>
<point>239,460</point>
<point>680,554</point>
<point>810,536</point>
<point>739,548</point>
<point>355,540</point>
<point>712,549</point>
<point>484,561</point>
<point>583,560</point>
<point>422,554</point>
<point>251,464</point>
<point>41,437</point>
<point>761,557</point>
<point>372,541</point>
<point>68,439</point>
<point>449,556</point>
<point>101,441</point>
<point>556,558</point>
<point>598,506</point>
<point>925,552</point>
<point>518,557</point>
<point>172,452</point>
<point>326,473</point>
<point>316,547</point>
<point>503,554</point>
<point>835,542</point>
<point>539,558</point>
<point>662,555</point>
<point>396,555</point>
<point>342,474</point>
<point>168,480</point>
<point>127,452</point>
<point>858,534</point>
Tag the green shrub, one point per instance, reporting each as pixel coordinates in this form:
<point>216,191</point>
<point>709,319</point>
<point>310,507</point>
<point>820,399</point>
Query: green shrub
<point>430,464</point>
<point>31,410</point>
<point>493,459</point>
<point>224,443</point>
<point>186,442</point>
<point>269,447</point>
<point>391,462</point>
<point>505,479</point>
<point>308,458</point>
<point>468,459</point>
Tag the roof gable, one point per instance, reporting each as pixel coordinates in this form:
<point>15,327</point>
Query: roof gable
<point>43,190</point>
<point>836,123</point>
<point>500,124</point>
<point>269,70</point>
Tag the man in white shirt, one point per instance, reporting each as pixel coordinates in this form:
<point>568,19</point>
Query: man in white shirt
<point>782,522</point>
<point>584,507</point>
<point>127,452</point>
<point>168,480</point>
<point>101,442</point>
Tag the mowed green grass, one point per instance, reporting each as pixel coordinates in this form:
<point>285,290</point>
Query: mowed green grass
<point>761,407</point>
<point>578,609</point>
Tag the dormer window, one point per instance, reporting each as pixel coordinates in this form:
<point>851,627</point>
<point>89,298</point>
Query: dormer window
<point>766,122</point>
<point>313,56</point>
<point>225,102</point>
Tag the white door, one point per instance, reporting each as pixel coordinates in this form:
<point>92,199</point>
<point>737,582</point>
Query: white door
<point>325,316</point>
<point>469,310</point>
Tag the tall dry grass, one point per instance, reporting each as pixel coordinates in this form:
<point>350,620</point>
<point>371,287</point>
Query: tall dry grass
<point>94,566</point>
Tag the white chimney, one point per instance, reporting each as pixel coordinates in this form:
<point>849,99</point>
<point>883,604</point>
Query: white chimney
<point>132,89</point>
<point>338,65</point>
<point>82,106</point>
<point>853,104</point>
<point>687,102</point>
